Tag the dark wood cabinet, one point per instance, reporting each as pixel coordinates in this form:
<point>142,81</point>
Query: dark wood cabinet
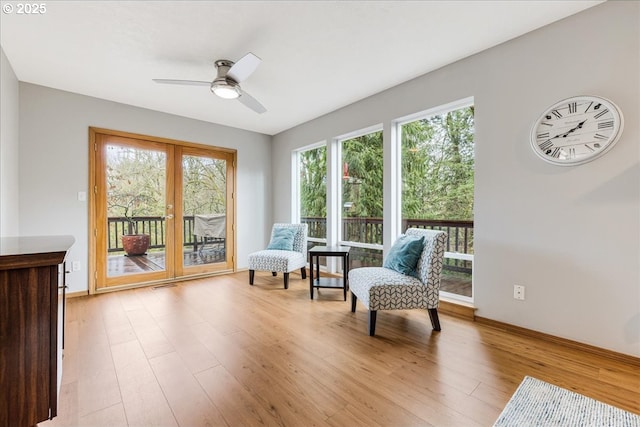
<point>30,342</point>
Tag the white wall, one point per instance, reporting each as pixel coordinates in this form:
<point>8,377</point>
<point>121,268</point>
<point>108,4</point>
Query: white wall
<point>54,134</point>
<point>9,138</point>
<point>571,235</point>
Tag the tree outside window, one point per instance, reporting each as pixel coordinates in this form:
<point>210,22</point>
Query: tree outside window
<point>362,197</point>
<point>438,186</point>
<point>313,191</point>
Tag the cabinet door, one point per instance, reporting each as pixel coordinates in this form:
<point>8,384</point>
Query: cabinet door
<point>28,335</point>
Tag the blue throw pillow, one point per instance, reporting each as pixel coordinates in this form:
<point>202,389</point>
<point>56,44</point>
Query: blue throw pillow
<point>404,254</point>
<point>282,239</point>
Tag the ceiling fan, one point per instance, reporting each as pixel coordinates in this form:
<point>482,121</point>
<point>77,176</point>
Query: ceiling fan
<point>227,83</point>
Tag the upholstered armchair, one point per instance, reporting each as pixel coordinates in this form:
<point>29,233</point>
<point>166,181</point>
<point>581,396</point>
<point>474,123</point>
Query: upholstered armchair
<point>408,279</point>
<point>287,251</point>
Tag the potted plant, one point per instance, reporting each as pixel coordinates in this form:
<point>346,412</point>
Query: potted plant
<point>135,244</point>
<point>130,204</point>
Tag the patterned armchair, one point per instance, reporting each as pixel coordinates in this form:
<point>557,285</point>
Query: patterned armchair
<point>381,288</point>
<point>284,259</point>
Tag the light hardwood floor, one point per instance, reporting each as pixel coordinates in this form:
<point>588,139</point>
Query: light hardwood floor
<point>218,352</point>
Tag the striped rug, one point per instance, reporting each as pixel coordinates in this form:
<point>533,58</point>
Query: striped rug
<point>537,403</point>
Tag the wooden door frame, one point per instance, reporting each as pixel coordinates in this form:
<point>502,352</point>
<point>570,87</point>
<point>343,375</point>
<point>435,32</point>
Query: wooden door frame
<point>94,207</point>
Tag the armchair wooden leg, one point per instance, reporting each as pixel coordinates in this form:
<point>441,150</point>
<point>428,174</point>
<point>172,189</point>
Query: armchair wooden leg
<point>372,322</point>
<point>433,315</point>
<point>286,280</point>
<point>354,298</point>
<point>251,275</point>
<point>303,271</point>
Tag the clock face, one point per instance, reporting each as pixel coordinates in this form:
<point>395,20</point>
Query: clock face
<point>576,130</point>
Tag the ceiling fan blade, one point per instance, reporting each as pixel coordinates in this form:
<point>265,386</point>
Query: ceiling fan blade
<point>251,102</point>
<point>182,82</point>
<point>244,67</point>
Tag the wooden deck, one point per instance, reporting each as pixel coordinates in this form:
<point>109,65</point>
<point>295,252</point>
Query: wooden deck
<point>456,285</point>
<point>120,264</point>
<point>155,261</point>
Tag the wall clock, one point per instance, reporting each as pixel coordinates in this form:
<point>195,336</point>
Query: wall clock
<point>577,130</point>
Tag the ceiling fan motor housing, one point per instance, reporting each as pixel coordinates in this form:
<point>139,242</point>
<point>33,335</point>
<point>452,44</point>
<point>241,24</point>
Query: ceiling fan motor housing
<point>222,85</point>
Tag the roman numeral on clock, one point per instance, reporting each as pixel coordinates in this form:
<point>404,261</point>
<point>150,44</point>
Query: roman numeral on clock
<point>598,136</point>
<point>545,145</point>
<point>601,113</point>
<point>556,113</point>
<point>588,106</point>
<point>573,107</point>
<point>543,135</point>
<point>605,125</point>
<point>556,152</point>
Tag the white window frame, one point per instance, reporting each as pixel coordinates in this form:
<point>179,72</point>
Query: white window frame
<point>338,183</point>
<point>397,197</point>
<point>295,185</point>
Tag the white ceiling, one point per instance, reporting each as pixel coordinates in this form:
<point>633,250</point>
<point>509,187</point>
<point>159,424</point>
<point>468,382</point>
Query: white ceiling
<point>317,56</point>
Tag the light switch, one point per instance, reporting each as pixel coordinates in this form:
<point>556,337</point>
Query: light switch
<point>82,196</point>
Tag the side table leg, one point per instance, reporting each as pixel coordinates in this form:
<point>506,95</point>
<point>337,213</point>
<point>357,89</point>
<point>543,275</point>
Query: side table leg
<point>311,275</point>
<point>345,274</point>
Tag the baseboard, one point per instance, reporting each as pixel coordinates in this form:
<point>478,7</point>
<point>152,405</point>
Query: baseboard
<point>77,294</point>
<point>457,309</point>
<point>609,354</point>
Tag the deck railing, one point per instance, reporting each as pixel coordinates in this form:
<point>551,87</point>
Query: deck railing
<point>362,230</point>
<point>369,230</point>
<point>154,226</point>
<point>459,233</point>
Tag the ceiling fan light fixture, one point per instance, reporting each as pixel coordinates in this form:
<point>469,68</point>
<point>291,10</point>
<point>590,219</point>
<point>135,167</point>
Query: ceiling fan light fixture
<point>225,89</point>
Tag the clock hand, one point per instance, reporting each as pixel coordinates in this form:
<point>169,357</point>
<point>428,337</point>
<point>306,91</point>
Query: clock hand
<point>564,135</point>
<point>579,126</point>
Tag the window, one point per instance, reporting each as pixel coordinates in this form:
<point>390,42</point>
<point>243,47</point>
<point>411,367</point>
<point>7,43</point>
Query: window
<point>362,198</point>
<point>340,190</point>
<point>312,191</point>
<point>437,167</point>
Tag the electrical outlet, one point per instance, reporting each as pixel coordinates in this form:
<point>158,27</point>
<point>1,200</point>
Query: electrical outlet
<point>75,266</point>
<point>518,292</point>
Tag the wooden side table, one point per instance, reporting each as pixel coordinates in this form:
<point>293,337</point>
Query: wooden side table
<point>329,282</point>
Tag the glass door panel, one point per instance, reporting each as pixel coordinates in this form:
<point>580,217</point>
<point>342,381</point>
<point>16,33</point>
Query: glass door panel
<point>205,196</point>
<point>134,222</point>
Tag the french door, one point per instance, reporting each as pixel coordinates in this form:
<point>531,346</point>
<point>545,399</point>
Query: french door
<point>161,210</point>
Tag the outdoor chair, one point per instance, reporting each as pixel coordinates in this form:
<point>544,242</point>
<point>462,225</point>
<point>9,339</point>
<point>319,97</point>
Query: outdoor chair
<point>287,251</point>
<point>409,278</point>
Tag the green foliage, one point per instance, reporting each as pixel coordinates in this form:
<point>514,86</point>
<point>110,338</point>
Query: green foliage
<point>136,182</point>
<point>204,185</point>
<point>362,188</point>
<point>438,166</point>
<point>437,171</point>
<point>313,183</point>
